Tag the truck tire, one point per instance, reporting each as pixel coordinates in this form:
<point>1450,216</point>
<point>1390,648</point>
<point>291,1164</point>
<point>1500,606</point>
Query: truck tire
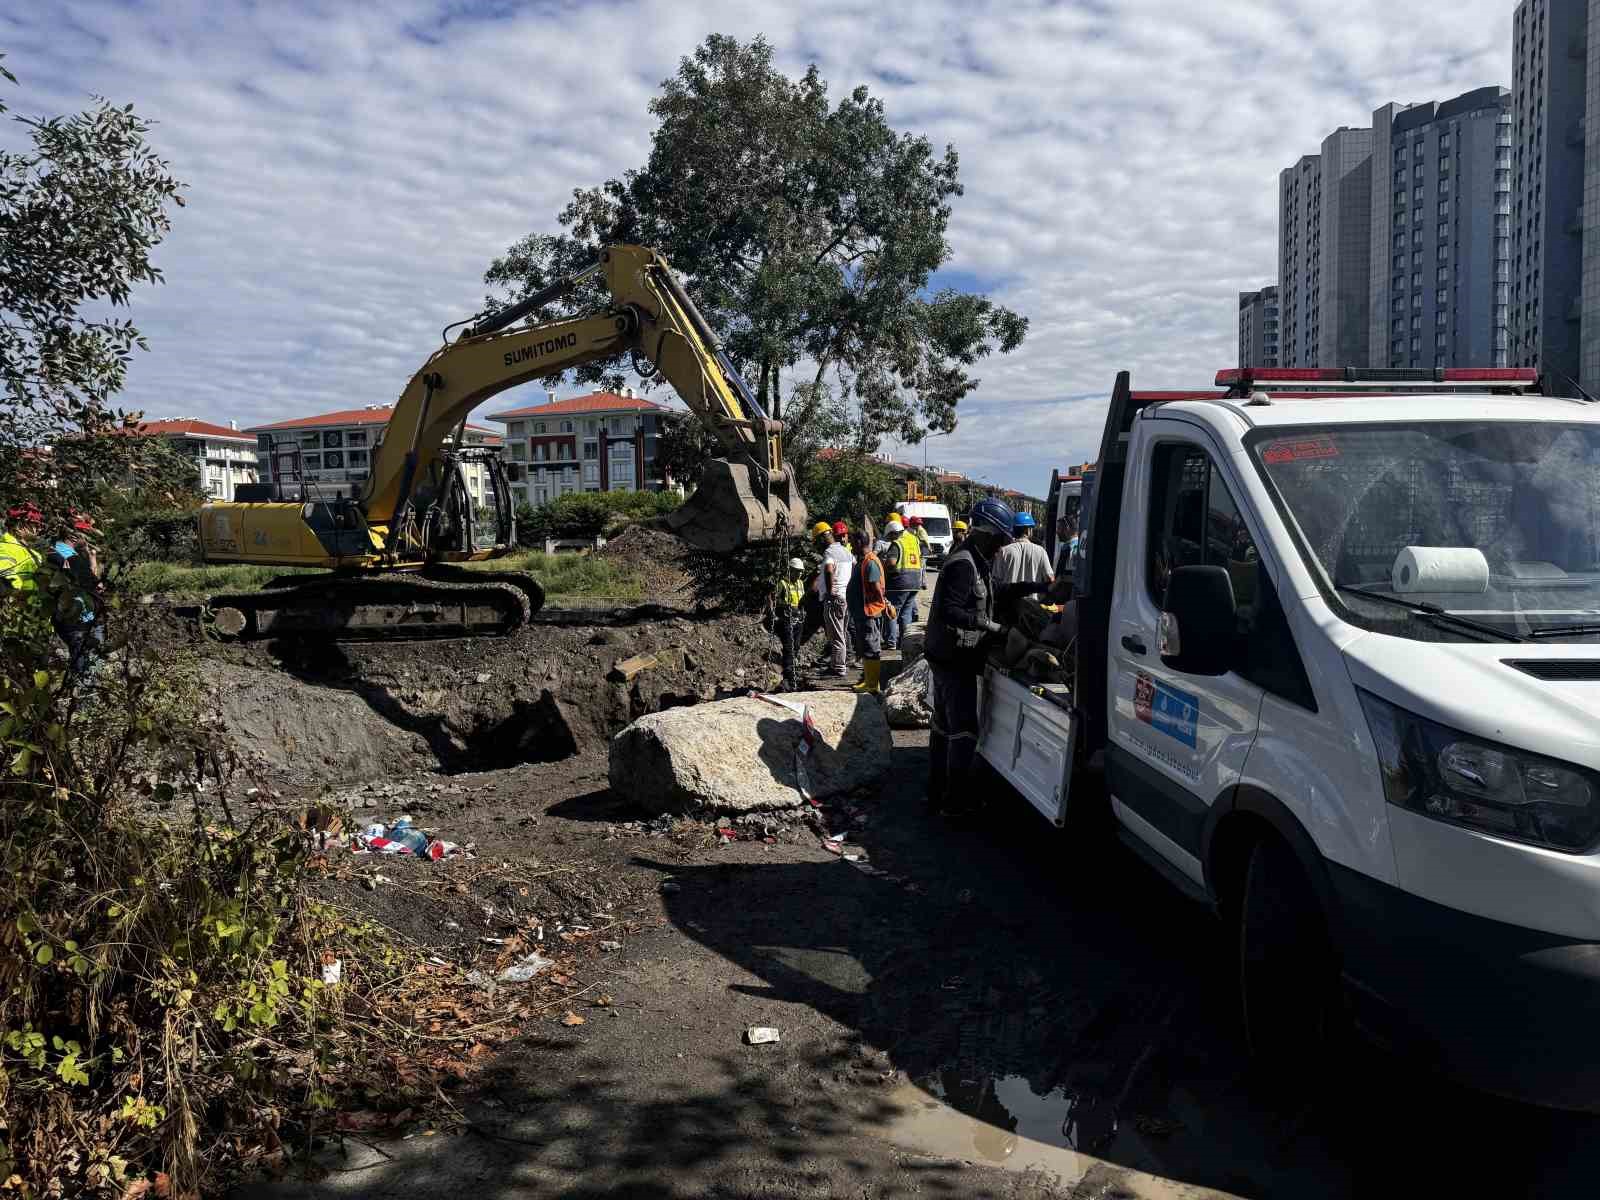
<point>1287,974</point>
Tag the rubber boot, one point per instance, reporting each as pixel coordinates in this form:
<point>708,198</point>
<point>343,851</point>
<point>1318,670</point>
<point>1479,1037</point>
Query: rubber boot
<point>871,676</point>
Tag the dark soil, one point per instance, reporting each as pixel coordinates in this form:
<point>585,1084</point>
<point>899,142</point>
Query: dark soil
<point>657,557</point>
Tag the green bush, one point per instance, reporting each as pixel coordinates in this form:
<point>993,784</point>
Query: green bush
<point>587,514</point>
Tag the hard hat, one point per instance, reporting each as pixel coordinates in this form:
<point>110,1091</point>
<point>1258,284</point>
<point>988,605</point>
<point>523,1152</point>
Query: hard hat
<point>821,527</point>
<point>840,529</point>
<point>993,516</point>
<point>893,522</point>
<point>1024,521</point>
<point>961,526</point>
<point>916,521</point>
<point>799,564</point>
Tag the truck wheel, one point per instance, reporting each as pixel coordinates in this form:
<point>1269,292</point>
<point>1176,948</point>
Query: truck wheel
<point>1288,981</point>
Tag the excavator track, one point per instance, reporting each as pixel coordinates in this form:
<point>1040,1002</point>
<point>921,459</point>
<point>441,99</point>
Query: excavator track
<point>392,606</point>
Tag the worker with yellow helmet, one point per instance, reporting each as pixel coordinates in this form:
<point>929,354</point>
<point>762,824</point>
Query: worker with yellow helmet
<point>903,566</point>
<point>959,536</point>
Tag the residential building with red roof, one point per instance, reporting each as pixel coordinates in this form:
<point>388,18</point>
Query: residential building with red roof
<point>601,442</point>
<point>224,457</point>
<point>331,453</point>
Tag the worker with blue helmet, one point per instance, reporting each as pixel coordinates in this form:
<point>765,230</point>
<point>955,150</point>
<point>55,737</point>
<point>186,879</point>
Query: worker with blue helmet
<point>1023,559</point>
<point>960,624</point>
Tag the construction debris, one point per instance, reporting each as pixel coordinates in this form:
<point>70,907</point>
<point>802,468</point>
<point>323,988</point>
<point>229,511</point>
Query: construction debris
<point>628,668</point>
<point>761,1035</point>
<point>742,755</point>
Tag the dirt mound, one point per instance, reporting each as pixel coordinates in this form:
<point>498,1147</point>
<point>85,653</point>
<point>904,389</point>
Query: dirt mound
<point>316,714</point>
<point>658,557</point>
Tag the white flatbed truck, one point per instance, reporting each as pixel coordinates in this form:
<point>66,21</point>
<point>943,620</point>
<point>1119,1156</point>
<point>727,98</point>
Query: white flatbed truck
<point>1338,678</point>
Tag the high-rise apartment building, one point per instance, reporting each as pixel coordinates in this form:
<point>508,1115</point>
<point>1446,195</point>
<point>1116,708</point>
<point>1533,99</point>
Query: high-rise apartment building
<point>1299,260</point>
<point>1324,252</point>
<point>1440,250</point>
<point>1553,247</point>
<point>1258,328</point>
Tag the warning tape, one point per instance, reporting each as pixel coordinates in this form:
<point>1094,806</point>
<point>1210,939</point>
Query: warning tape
<point>809,737</point>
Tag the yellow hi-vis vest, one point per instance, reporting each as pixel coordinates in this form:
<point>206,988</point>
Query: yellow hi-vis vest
<point>910,551</point>
<point>789,592</point>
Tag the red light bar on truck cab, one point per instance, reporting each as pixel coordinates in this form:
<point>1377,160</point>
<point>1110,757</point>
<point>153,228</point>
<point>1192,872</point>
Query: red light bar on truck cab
<point>1243,381</point>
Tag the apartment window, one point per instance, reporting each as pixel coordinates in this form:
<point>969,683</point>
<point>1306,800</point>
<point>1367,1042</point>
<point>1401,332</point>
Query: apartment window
<point>1440,295</point>
<point>1443,274</point>
<point>591,472</point>
<point>563,450</point>
<point>1416,345</point>
<point>1399,262</point>
<point>1398,347</point>
<point>1416,257</point>
<point>1444,142</point>
<point>310,441</point>
<point>1444,187</point>
<point>1416,322</point>
<point>591,450</point>
<point>1398,283</point>
<point>1399,241</point>
<point>1444,253</point>
<point>1399,304</point>
<point>1400,196</point>
<point>1400,177</point>
<point>1416,192</point>
<point>1416,214</point>
<point>1416,299</point>
<point>1398,326</point>
<point>1399,156</point>
<point>1441,341</point>
<point>311,462</point>
<point>538,426</point>
<point>1444,208</point>
<point>356,458</point>
<point>356,437</point>
<point>1441,318</point>
<point>333,439</point>
<point>1416,152</point>
<point>519,452</point>
<point>517,429</point>
<point>566,427</point>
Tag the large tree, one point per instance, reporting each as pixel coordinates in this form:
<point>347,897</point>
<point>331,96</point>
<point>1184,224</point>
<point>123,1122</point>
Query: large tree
<point>809,233</point>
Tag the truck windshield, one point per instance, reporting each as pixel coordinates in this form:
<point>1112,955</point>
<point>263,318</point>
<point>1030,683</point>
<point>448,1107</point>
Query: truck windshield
<point>937,526</point>
<point>1495,522</point>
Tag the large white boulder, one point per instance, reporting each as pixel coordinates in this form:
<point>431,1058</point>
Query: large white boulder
<point>739,755</point>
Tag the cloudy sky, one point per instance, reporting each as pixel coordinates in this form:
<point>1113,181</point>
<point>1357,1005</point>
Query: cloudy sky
<point>353,168</point>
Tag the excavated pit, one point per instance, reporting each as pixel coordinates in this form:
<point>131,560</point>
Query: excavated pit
<point>321,713</point>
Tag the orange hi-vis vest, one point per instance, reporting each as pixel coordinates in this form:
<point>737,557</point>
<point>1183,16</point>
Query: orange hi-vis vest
<point>874,601</point>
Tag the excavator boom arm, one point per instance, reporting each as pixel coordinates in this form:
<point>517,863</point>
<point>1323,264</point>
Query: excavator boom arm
<point>651,316</point>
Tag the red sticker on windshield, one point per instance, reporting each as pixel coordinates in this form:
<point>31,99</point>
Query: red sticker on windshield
<point>1295,449</point>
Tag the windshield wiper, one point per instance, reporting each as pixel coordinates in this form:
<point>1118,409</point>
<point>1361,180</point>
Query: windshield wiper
<point>1545,631</point>
<point>1438,615</point>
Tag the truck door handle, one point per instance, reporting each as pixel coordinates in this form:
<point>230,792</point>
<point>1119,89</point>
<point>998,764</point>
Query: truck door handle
<point>1132,644</point>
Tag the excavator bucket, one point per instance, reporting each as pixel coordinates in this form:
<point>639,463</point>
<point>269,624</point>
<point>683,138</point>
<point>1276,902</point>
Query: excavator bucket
<point>731,510</point>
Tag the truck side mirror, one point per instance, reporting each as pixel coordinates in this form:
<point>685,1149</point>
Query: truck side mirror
<point>1199,621</point>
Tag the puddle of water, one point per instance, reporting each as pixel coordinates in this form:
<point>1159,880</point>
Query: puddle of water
<point>1014,1127</point>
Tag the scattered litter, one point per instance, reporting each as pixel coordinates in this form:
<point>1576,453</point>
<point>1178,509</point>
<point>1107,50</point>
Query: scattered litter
<point>572,1019</point>
<point>725,834</point>
<point>402,837</point>
<point>332,970</point>
<point>452,926</point>
<point>492,941</point>
<point>610,946</point>
<point>480,979</point>
<point>525,968</point>
<point>855,858</point>
<point>833,845</point>
<point>760,1035</point>
<point>321,825</point>
<point>372,881</point>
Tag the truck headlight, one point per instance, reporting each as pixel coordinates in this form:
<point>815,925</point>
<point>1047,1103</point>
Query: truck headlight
<point>1452,776</point>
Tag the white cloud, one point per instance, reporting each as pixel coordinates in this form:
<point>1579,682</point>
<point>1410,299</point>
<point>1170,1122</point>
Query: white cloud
<point>354,168</point>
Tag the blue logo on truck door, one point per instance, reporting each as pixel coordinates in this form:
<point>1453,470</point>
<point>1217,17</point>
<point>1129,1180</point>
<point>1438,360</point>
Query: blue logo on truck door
<point>1162,707</point>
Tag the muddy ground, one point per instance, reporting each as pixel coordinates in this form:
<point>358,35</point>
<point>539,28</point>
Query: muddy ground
<point>986,1012</point>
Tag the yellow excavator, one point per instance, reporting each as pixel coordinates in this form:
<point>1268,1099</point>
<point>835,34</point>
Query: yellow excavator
<point>391,554</point>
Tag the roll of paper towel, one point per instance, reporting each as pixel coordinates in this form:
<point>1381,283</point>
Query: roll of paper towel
<point>1440,569</point>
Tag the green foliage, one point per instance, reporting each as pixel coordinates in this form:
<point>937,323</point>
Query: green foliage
<point>847,486</point>
<point>586,514</point>
<point>809,232</point>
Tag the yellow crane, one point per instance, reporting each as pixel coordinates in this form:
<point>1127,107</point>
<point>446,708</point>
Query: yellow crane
<point>389,554</point>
